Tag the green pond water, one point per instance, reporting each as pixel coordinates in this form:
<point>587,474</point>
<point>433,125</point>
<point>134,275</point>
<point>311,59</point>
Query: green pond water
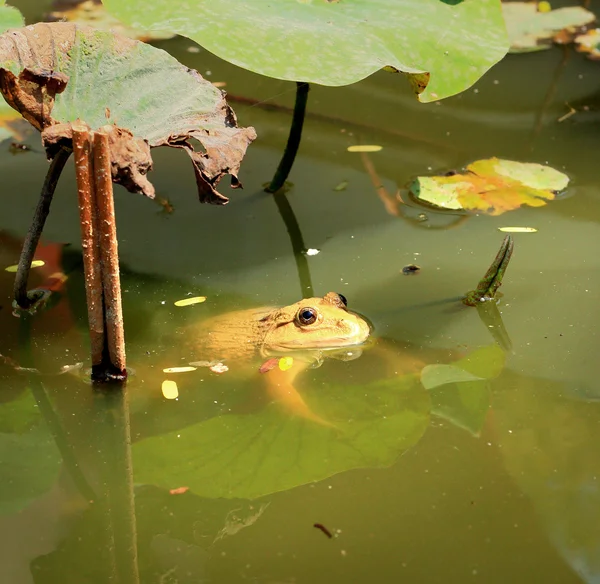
<point>493,476</point>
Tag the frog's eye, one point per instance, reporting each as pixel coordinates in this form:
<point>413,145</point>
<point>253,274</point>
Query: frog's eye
<point>306,316</point>
<point>343,299</point>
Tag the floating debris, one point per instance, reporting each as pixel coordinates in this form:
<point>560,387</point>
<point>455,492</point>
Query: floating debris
<point>518,229</point>
<point>268,365</point>
<point>341,186</point>
<point>204,363</point>
<point>219,368</point>
<point>365,148</point>
<point>190,301</point>
<point>169,389</point>
<point>311,251</point>
<point>34,264</point>
<point>322,528</point>
<point>411,270</point>
<point>286,363</point>
<point>179,491</point>
<point>179,369</point>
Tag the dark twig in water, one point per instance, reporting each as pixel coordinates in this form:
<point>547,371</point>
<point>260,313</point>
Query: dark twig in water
<point>323,529</point>
<point>23,300</point>
<point>293,143</point>
<point>489,284</point>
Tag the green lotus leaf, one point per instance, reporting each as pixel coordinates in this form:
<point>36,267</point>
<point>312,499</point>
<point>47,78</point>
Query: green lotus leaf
<point>444,45</point>
<point>247,456</point>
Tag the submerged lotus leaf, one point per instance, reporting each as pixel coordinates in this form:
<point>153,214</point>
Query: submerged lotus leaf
<point>532,30</point>
<point>247,456</point>
<point>460,391</point>
<point>444,46</point>
<point>55,74</point>
<point>30,459</point>
<point>491,186</point>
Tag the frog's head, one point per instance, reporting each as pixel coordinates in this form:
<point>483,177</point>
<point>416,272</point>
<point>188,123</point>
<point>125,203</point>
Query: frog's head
<point>314,323</point>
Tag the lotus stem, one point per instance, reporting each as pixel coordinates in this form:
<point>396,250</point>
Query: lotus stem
<point>82,147</point>
<point>293,143</point>
<point>100,256</point>
<point>109,254</point>
<point>22,298</point>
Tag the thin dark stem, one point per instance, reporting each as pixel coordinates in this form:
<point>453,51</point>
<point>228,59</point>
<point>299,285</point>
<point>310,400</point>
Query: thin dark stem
<point>37,226</point>
<point>293,229</point>
<point>293,143</point>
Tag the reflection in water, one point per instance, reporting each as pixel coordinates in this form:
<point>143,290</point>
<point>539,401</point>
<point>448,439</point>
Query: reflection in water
<point>549,445</point>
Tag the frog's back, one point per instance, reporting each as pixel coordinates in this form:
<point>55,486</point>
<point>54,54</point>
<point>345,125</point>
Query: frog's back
<point>236,335</point>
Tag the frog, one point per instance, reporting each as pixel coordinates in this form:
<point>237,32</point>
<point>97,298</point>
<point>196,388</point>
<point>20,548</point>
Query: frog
<point>310,331</point>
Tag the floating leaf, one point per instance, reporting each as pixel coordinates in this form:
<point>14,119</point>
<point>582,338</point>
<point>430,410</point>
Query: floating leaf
<point>341,186</point>
<point>365,148</point>
<point>94,14</point>
<point>444,46</point>
<point>589,43</point>
<point>34,264</point>
<point>491,186</point>
<point>179,369</point>
<point>57,73</point>
<point>169,389</point>
<point>530,29</point>
<point>286,363</point>
<point>518,229</point>
<point>190,301</point>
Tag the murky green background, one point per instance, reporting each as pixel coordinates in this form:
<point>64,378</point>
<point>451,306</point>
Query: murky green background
<point>509,493</point>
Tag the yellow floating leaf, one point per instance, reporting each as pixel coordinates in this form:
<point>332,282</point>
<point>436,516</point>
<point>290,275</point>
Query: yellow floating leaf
<point>491,186</point>
<point>34,264</point>
<point>190,301</point>
<point>169,389</point>
<point>178,369</point>
<point>518,229</point>
<point>365,148</point>
<point>286,363</point>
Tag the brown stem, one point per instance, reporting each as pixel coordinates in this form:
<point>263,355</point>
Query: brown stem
<point>82,148</point>
<point>109,255</point>
<point>30,244</point>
